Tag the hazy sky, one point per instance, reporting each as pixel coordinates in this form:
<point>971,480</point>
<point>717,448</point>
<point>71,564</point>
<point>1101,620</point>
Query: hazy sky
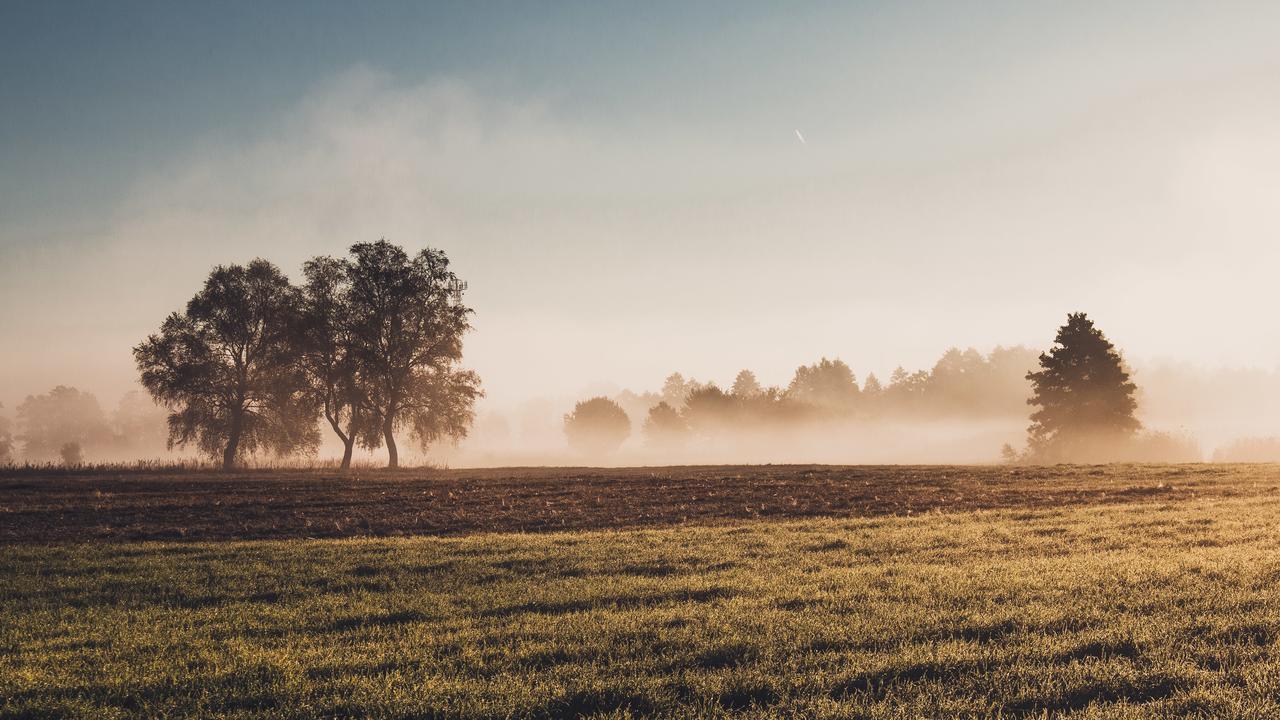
<point>622,183</point>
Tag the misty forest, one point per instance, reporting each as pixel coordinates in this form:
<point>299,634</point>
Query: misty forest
<point>366,354</point>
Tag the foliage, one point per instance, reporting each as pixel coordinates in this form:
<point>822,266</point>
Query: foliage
<point>48,422</point>
<point>1085,397</point>
<point>407,323</point>
<point>828,384</point>
<point>597,426</point>
<point>6,439</point>
<point>746,386</point>
<point>665,427</point>
<point>71,454</point>
<point>227,367</point>
<point>328,357</point>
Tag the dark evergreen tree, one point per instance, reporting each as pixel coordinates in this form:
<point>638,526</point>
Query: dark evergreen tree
<point>1085,397</point>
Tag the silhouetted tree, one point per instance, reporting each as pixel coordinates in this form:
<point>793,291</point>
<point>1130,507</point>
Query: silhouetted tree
<point>827,384</point>
<point>674,390</point>
<point>6,439</point>
<point>709,409</point>
<point>71,454</point>
<point>1085,397</point>
<point>63,415</point>
<point>328,356</point>
<point>407,323</point>
<point>596,426</point>
<point>140,426</point>
<point>745,385</point>
<point>664,427</point>
<point>871,386</point>
<point>227,367</point>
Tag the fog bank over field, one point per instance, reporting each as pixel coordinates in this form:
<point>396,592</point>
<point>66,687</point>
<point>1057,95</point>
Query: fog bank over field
<point>1225,414</point>
<point>716,190</point>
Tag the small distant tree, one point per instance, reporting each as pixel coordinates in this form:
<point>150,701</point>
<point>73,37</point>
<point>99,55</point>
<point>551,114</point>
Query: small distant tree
<point>597,426</point>
<point>227,367</point>
<point>674,390</point>
<point>140,426</point>
<point>407,323</point>
<point>71,454</point>
<point>664,427</point>
<point>6,439</point>
<point>871,386</point>
<point>1084,394</point>
<point>63,415</point>
<point>746,386</point>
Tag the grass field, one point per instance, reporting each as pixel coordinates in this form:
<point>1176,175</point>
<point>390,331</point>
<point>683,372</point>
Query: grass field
<point>1161,603</point>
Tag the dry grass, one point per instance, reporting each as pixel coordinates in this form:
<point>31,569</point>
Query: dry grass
<point>1165,608</point>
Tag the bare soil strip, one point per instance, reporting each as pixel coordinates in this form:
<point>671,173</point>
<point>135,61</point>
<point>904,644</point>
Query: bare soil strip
<point>58,508</point>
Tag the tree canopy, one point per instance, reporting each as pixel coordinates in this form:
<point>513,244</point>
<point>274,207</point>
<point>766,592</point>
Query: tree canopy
<point>227,367</point>
<point>597,426</point>
<point>49,422</point>
<point>1084,394</point>
<point>407,320</point>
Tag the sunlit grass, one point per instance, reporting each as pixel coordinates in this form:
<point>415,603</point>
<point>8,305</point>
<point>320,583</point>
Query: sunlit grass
<point>1118,611</point>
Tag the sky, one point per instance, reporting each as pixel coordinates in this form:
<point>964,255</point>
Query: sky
<point>623,185</point>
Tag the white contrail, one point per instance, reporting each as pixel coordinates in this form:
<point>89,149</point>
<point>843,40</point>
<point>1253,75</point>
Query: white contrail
<point>802,140</point>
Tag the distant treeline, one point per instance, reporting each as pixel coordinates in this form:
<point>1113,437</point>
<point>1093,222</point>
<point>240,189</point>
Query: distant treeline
<point>67,424</point>
<point>1086,403</point>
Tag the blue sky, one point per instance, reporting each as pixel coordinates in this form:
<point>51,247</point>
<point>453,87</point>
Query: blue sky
<point>622,184</point>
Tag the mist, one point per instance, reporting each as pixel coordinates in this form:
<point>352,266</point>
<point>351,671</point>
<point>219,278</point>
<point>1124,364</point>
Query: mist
<point>952,190</point>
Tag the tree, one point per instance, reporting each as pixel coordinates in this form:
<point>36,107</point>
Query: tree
<point>871,386</point>
<point>227,367</point>
<point>597,426</point>
<point>71,454</point>
<point>674,390</point>
<point>407,323</point>
<point>63,415</point>
<point>745,385</point>
<point>1085,396</point>
<point>664,427</point>
<point>6,439</point>
<point>709,409</point>
<point>140,426</point>
<point>828,384</point>
<point>328,356</point>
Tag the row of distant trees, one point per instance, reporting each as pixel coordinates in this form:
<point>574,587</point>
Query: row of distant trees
<point>67,424</point>
<point>962,384</point>
<point>371,343</point>
<point>1085,402</point>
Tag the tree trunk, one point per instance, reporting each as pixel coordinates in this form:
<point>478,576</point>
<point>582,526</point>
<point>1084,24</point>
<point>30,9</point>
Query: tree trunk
<point>393,460</point>
<point>348,443</point>
<point>233,445</point>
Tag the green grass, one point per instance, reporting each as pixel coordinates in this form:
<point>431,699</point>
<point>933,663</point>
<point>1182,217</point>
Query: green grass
<point>1120,611</point>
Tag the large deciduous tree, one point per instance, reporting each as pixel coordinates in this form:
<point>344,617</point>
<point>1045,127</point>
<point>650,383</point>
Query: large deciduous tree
<point>407,323</point>
<point>328,357</point>
<point>227,368</point>
<point>1085,396</point>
